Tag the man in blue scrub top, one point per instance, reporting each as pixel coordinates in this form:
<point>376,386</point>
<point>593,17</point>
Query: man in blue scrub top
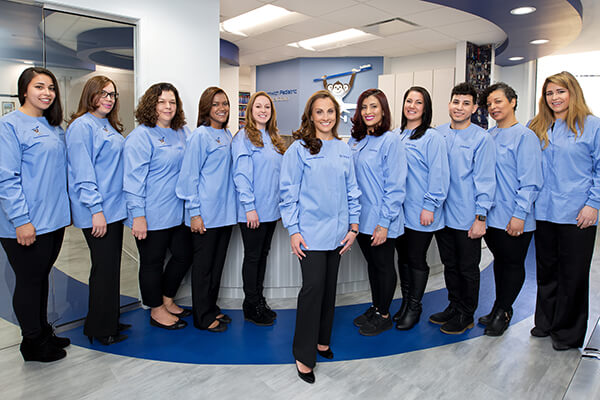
<point>472,161</point>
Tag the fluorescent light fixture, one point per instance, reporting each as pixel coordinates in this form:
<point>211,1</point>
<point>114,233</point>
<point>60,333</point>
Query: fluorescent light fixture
<point>522,10</point>
<point>519,58</point>
<point>539,41</point>
<point>260,20</point>
<point>334,40</point>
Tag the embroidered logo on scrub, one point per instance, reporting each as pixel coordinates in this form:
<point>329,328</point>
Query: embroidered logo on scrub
<point>162,140</point>
<point>219,139</point>
<point>36,130</point>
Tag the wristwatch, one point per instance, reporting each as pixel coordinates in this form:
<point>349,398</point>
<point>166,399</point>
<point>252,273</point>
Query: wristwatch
<point>480,217</point>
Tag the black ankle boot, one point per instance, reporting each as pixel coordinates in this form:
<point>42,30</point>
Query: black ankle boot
<point>60,342</point>
<point>418,282</point>
<point>498,324</point>
<point>257,314</point>
<point>404,287</point>
<point>41,349</point>
<point>486,319</point>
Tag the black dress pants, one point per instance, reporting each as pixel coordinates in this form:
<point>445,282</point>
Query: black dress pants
<point>381,270</point>
<point>460,256</point>
<point>415,248</point>
<point>32,265</point>
<point>563,255</point>
<point>509,264</point>
<point>257,243</point>
<point>156,280</point>
<point>210,250</point>
<point>103,305</point>
<point>316,304</point>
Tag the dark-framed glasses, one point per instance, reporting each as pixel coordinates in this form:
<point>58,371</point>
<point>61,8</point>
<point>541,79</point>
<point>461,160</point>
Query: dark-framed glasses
<point>112,95</point>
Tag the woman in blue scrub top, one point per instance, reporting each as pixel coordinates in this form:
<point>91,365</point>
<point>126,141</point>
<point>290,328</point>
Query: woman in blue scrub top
<point>566,210</point>
<point>257,151</point>
<point>511,221</point>
<point>426,189</point>
<point>95,170</point>
<point>35,206</point>
<point>206,185</point>
<point>320,209</point>
<point>152,157</point>
<point>380,164</point>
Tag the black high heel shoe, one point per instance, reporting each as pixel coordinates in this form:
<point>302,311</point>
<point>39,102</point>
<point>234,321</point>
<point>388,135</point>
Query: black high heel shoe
<point>328,354</point>
<point>308,377</point>
<point>110,339</point>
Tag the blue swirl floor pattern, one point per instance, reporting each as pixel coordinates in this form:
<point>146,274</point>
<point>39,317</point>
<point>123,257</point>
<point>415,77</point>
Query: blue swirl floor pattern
<point>246,343</point>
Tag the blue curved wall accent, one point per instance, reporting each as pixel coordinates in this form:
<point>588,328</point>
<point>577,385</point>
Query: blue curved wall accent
<point>230,53</point>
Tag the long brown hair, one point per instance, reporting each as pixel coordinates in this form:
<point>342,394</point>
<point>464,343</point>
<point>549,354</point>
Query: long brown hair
<point>89,97</point>
<point>145,112</point>
<point>307,131</point>
<point>576,113</point>
<point>252,131</point>
<point>205,104</point>
<point>54,113</point>
<point>359,129</point>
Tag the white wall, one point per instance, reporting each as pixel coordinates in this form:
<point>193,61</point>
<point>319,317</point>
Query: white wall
<point>521,78</point>
<point>419,62</point>
<point>230,83</point>
<point>177,41</point>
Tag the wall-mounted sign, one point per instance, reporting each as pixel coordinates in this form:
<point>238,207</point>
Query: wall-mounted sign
<point>282,94</point>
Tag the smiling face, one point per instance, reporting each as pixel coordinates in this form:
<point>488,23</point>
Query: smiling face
<point>219,111</point>
<point>413,108</point>
<point>261,111</point>
<point>499,107</point>
<point>104,105</point>
<point>461,107</point>
<point>371,112</point>
<point>40,94</point>
<point>323,116</point>
<point>557,98</point>
<point>166,106</point>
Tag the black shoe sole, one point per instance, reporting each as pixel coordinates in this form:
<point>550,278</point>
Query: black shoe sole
<point>259,323</point>
<point>180,324</point>
<point>377,332</point>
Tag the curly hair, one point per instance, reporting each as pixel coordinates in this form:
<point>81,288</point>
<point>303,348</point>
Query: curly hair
<point>205,104</point>
<point>54,113</point>
<point>359,129</point>
<point>307,131</point>
<point>145,112</point>
<point>89,97</point>
<point>252,131</point>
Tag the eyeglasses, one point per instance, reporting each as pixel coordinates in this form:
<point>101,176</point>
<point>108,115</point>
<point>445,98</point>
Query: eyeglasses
<point>112,95</point>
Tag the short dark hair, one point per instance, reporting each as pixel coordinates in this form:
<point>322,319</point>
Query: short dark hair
<point>54,113</point>
<point>427,112</point>
<point>359,129</point>
<point>508,92</point>
<point>464,88</point>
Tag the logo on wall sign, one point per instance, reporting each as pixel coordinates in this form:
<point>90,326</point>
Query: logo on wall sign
<point>340,90</point>
<point>282,94</point>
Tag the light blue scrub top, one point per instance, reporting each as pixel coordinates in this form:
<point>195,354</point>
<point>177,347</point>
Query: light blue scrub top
<point>571,172</point>
<point>472,160</point>
<point>256,177</point>
<point>518,176</point>
<point>380,165</point>
<point>95,166</point>
<point>152,161</point>
<point>428,179</point>
<point>206,182</point>
<point>319,193</point>
<point>33,175</point>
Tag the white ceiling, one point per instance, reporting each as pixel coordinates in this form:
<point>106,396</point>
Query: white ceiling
<point>439,28</point>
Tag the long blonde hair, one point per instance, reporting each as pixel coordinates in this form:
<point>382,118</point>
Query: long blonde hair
<point>576,113</point>
<point>252,131</point>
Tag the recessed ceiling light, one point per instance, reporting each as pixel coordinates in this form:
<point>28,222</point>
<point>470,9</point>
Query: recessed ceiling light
<point>334,40</point>
<point>259,20</point>
<point>539,41</point>
<point>522,10</point>
<point>516,58</point>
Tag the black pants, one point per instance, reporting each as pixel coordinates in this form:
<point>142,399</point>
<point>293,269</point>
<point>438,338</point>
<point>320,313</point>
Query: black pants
<point>412,248</point>
<point>257,243</point>
<point>563,255</point>
<point>381,269</point>
<point>156,281</point>
<point>32,265</point>
<point>210,250</point>
<point>509,264</point>
<point>460,256</point>
<point>316,304</point>
<point>103,305</point>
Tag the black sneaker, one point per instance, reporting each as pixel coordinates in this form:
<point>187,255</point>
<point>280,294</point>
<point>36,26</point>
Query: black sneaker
<point>375,325</point>
<point>442,317</point>
<point>364,318</point>
<point>258,317</point>
<point>458,324</point>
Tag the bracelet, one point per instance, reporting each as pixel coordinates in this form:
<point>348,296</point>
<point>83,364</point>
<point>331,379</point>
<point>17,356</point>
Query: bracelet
<point>354,231</point>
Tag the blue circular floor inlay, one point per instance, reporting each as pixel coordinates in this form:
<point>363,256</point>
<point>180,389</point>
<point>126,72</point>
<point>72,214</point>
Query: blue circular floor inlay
<point>246,343</point>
